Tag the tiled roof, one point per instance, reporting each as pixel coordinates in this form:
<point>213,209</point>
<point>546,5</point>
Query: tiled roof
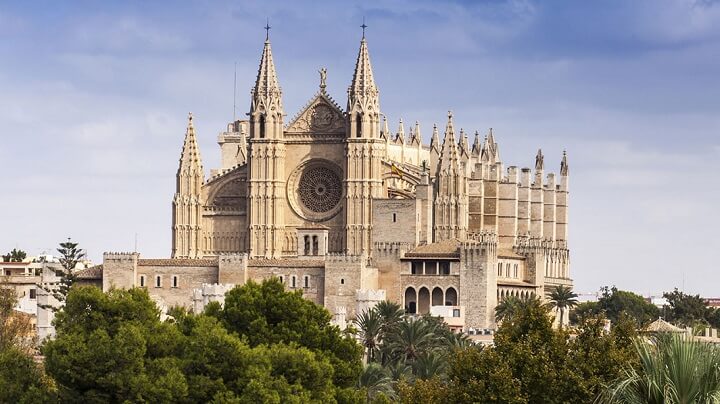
<point>661,325</point>
<point>95,272</point>
<point>443,249</point>
<point>286,263</point>
<point>179,262</point>
<point>508,253</point>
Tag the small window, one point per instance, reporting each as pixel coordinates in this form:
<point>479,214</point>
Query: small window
<point>507,270</point>
<point>8,272</point>
<point>515,271</point>
<point>444,268</point>
<point>499,269</point>
<point>394,217</point>
<point>282,279</point>
<point>417,268</point>
<point>342,281</point>
<point>174,281</point>
<point>33,293</point>
<point>293,281</point>
<point>456,312</point>
<point>306,282</point>
<point>158,281</point>
<point>142,281</point>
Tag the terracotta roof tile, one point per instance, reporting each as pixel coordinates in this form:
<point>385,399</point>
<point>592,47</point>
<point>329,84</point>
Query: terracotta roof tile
<point>445,249</point>
<point>94,272</point>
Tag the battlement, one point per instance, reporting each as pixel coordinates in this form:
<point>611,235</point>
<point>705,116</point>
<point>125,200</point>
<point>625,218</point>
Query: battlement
<point>232,257</point>
<point>364,295</point>
<point>345,258</point>
<point>528,244</point>
<point>120,256</point>
<point>483,237</point>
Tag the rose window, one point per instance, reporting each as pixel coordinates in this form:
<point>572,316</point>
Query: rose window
<point>319,189</point>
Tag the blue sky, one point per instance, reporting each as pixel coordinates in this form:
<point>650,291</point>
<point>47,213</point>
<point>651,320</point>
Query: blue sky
<point>95,96</point>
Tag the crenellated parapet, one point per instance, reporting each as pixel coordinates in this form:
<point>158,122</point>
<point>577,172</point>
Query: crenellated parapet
<point>343,258</point>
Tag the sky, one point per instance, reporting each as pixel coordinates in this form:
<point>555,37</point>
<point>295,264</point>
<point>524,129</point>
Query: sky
<point>94,98</point>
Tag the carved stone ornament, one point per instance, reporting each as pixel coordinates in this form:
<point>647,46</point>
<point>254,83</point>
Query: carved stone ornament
<point>319,117</point>
<point>315,190</point>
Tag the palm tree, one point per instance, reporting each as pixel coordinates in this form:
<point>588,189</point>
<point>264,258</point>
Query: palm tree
<point>369,325</point>
<point>409,339</point>
<point>429,364</point>
<point>562,297</point>
<point>672,370</point>
<point>376,380</point>
<point>507,308</point>
<point>390,312</point>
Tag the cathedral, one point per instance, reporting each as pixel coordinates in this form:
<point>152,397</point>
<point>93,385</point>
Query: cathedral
<point>333,203</point>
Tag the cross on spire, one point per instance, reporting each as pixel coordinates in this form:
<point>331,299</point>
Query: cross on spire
<point>363,26</point>
<point>267,29</point>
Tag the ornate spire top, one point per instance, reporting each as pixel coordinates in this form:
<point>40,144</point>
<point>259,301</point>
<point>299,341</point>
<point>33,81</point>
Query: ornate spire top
<point>415,136</point>
<point>435,139</point>
<point>400,136</point>
<point>476,147</point>
<point>539,160</point>
<point>464,144</point>
<point>362,89</point>
<point>190,156</point>
<point>323,78</point>
<point>385,133</point>
<point>267,84</point>
<point>564,164</point>
<point>363,26</point>
<point>267,30</point>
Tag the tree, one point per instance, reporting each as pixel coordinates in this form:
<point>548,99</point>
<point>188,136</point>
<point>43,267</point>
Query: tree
<point>409,339</point>
<point>369,325</point>
<point>561,298</point>
<point>430,391</point>
<point>15,327</point>
<point>22,380</point>
<point>15,256</point>
<point>390,312</point>
<point>376,381</point>
<point>70,255</point>
<point>507,308</point>
<point>686,310</point>
<point>267,314</point>
<point>478,374</point>
<point>672,370</point>
<point>613,302</point>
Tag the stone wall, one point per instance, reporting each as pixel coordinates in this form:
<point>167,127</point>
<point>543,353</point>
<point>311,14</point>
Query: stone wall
<point>313,270</point>
<point>396,220</point>
<point>188,277</point>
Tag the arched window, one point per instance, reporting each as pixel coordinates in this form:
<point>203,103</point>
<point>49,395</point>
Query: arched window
<point>306,282</point>
<point>499,268</point>
<point>423,301</point>
<point>282,279</point>
<point>142,281</point>
<point>158,281</point>
<point>307,245</point>
<point>174,281</point>
<point>437,297</point>
<point>451,297</point>
<point>410,301</point>
<point>515,271</point>
<point>262,126</point>
<point>358,125</point>
<point>293,282</point>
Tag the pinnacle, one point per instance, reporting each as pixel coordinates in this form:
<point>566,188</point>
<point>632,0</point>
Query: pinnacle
<point>564,164</point>
<point>363,83</point>
<point>267,82</point>
<point>190,156</point>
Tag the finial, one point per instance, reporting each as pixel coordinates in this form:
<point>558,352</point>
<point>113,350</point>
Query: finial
<point>449,114</point>
<point>363,26</point>
<point>190,117</point>
<point>323,78</point>
<point>267,29</point>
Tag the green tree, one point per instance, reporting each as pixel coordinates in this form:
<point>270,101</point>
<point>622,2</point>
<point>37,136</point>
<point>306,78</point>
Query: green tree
<point>70,255</point>
<point>613,302</point>
<point>390,312</point>
<point>561,298</point>
<point>15,256</point>
<point>507,308</point>
<point>22,380</point>
<point>375,381</point>
<point>478,374</point>
<point>15,327</point>
<point>409,339</point>
<point>686,310</point>
<point>267,314</point>
<point>369,325</point>
<point>430,391</point>
<point>672,370</point>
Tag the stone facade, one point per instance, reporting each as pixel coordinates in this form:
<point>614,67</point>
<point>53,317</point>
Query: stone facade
<point>334,204</point>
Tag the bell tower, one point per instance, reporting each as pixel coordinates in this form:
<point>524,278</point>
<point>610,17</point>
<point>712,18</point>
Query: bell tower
<point>363,150</point>
<point>266,171</point>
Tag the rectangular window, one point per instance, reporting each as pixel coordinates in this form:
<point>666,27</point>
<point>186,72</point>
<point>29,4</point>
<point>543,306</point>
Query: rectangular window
<point>293,281</point>
<point>456,312</point>
<point>444,268</point>
<point>306,282</point>
<point>515,271</point>
<point>142,281</point>
<point>417,268</point>
<point>33,293</point>
<point>158,281</point>
<point>282,279</point>
<point>394,217</point>
<point>174,281</point>
<point>499,268</point>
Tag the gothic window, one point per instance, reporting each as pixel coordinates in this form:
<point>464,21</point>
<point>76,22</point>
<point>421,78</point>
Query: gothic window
<point>315,245</point>
<point>342,281</point>
<point>158,281</point>
<point>320,189</point>
<point>515,271</point>
<point>499,269</point>
<point>307,245</point>
<point>507,270</point>
<point>306,282</point>
<point>358,125</point>
<point>175,281</point>
<point>142,281</point>
<point>444,268</point>
<point>262,126</point>
<point>451,297</point>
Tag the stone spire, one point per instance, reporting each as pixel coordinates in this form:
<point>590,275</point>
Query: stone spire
<point>564,164</point>
<point>267,87</point>
<point>449,156</point>
<point>187,204</point>
<point>490,153</point>
<point>362,89</point>
<point>476,147</point>
<point>385,132</point>
<point>451,200</point>
<point>415,137</point>
<point>435,140</point>
<point>464,145</point>
<point>190,161</point>
<point>400,136</point>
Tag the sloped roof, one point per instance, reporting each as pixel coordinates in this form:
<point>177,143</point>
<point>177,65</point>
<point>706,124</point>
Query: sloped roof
<point>94,272</point>
<point>444,249</point>
<point>661,325</point>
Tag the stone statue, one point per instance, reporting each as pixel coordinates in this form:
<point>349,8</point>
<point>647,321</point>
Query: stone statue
<point>323,77</point>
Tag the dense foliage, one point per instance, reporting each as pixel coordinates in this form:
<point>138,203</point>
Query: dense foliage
<point>614,303</point>
<point>14,256</point>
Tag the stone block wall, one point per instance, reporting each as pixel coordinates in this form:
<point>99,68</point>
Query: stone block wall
<point>119,270</point>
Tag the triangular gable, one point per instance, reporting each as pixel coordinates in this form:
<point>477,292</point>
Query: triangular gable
<point>320,116</point>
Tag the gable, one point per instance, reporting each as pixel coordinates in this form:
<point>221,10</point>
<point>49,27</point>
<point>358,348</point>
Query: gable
<point>321,116</point>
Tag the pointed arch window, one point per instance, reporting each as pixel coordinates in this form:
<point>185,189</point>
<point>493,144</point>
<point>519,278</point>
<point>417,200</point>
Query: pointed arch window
<point>262,126</point>
<point>358,125</point>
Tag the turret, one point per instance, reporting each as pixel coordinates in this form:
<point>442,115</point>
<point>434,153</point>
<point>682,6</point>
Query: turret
<point>187,206</point>
<point>363,108</point>
<point>561,214</point>
<point>537,198</point>
<point>266,171</point>
<point>434,150</point>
